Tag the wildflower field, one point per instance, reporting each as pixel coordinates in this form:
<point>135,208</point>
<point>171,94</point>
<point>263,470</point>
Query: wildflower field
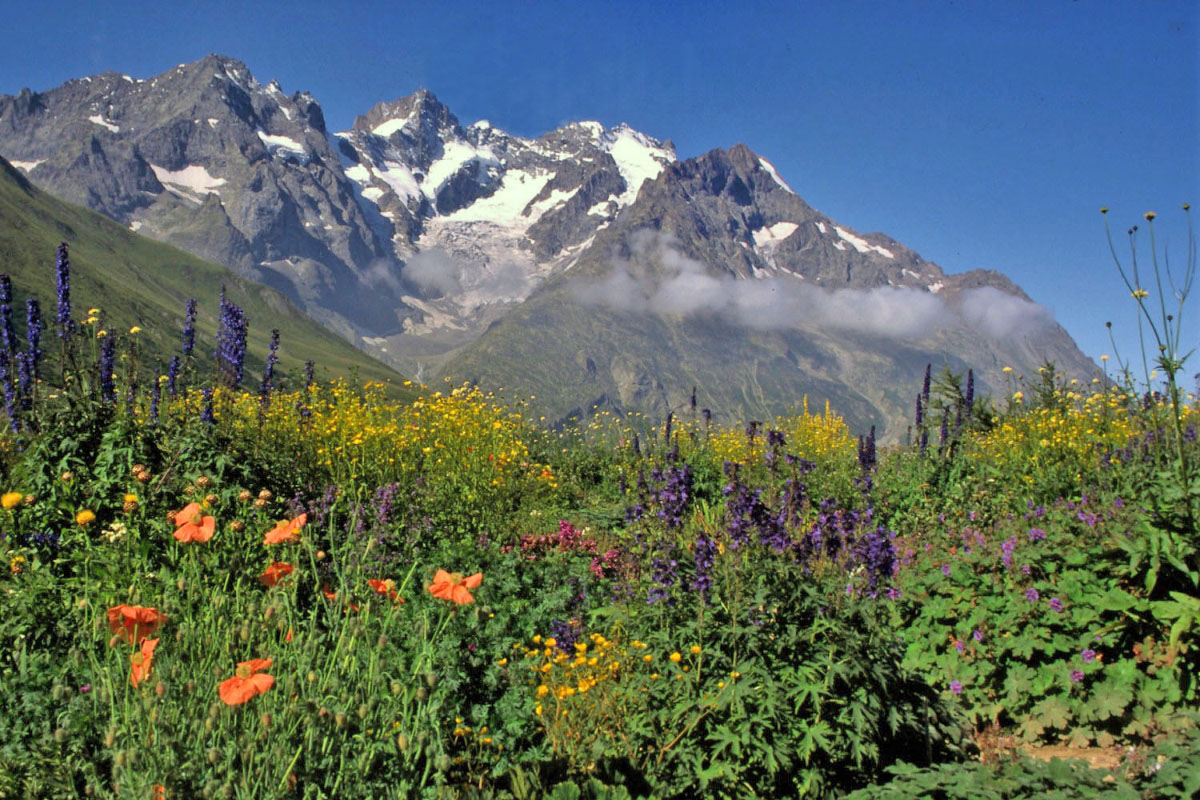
<point>223,586</point>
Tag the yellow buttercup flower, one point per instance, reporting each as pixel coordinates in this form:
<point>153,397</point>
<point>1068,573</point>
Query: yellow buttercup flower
<point>676,656</point>
<point>136,329</point>
<point>11,500</point>
<point>85,517</point>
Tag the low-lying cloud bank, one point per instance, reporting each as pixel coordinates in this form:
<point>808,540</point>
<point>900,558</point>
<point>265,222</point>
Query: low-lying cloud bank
<point>436,272</point>
<point>659,279</point>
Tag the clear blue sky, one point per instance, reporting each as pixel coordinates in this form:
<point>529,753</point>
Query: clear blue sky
<point>978,134</point>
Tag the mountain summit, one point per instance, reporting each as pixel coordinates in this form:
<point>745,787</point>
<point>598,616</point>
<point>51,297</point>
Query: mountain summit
<point>590,265</point>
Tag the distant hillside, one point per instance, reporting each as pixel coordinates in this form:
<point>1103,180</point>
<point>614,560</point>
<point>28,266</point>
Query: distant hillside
<point>138,281</point>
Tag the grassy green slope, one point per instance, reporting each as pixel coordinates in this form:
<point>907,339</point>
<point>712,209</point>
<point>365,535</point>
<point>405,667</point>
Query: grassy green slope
<point>139,281</point>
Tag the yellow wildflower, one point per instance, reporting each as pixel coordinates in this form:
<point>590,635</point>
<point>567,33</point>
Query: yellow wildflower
<point>11,500</point>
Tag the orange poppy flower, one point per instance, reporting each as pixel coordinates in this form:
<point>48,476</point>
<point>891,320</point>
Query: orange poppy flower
<point>191,525</point>
<point>387,587</point>
<point>140,662</point>
<point>453,586</point>
<point>285,530</point>
<point>133,623</point>
<point>159,792</point>
<point>247,682</point>
<point>275,573</point>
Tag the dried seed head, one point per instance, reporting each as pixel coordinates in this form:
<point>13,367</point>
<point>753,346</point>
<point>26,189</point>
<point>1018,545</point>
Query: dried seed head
<point>244,495</point>
<point>265,494</point>
<point>211,499</point>
<point>137,468</point>
<point>67,476</point>
<point>204,481</point>
<point>260,503</point>
<point>237,526</point>
<point>142,477</point>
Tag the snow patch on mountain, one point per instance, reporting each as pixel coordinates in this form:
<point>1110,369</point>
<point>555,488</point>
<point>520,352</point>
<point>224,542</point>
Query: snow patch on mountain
<point>26,166</point>
<point>860,244</point>
<point>456,154</point>
<point>770,168</point>
<point>278,145</point>
<point>638,157</point>
<point>388,127</point>
<point>193,177</point>
<point>505,207</point>
<point>103,123</point>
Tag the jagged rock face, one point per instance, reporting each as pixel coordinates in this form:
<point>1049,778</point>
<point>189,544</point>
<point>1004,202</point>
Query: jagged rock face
<point>588,266</point>
<point>205,157</point>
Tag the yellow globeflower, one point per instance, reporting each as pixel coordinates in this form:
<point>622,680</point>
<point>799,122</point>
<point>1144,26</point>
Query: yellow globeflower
<point>676,656</point>
<point>85,517</point>
<point>11,500</point>
<point>695,649</point>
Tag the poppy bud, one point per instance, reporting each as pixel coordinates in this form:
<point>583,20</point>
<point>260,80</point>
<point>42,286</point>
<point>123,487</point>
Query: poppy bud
<point>396,687</point>
<point>57,692</point>
<point>312,677</point>
<point>159,689</point>
<point>339,719</point>
<point>237,526</point>
<point>203,481</point>
<point>363,710</point>
<point>266,720</point>
<point>189,687</point>
<point>382,642</point>
<point>153,718</point>
<point>179,634</point>
<point>442,762</point>
<point>214,755</point>
<point>110,737</point>
<point>430,679</point>
<point>324,712</point>
<point>402,743</point>
<point>422,694</point>
<point>209,724</point>
<point>244,633</point>
<point>181,584</point>
<point>60,734</point>
<point>270,612</point>
<point>119,759</point>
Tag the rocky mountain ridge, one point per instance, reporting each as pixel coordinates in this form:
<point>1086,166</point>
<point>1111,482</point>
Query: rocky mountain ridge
<point>433,244</point>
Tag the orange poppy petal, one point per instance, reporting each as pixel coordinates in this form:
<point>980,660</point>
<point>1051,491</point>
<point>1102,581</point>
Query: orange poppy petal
<point>460,595</point>
<point>256,664</point>
<point>441,576</point>
<point>232,691</point>
<point>185,514</point>
<point>473,581</point>
<point>444,590</point>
